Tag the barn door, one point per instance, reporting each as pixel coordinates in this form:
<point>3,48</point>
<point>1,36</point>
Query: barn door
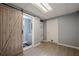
<point>10,31</point>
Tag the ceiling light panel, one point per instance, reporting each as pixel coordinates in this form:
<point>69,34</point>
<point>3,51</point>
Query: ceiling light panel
<point>44,7</point>
<point>47,6</point>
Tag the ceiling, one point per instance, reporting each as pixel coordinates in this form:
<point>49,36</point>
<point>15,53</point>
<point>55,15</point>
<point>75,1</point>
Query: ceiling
<point>58,9</point>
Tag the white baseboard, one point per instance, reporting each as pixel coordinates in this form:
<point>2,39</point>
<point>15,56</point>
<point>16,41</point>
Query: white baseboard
<point>36,44</point>
<point>53,41</point>
<point>64,45</point>
<point>44,41</point>
<point>31,46</point>
<point>25,48</point>
<point>68,46</point>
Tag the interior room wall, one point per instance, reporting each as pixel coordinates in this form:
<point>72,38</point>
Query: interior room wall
<point>41,31</point>
<point>68,26</point>
<point>36,30</point>
<point>67,29</point>
<point>77,29</point>
<point>52,30</point>
<point>44,30</point>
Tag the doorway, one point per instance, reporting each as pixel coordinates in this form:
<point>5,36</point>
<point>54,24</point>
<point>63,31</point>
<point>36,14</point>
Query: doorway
<point>27,30</point>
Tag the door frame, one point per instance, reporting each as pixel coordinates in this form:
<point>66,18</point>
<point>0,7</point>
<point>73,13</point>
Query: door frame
<point>32,30</point>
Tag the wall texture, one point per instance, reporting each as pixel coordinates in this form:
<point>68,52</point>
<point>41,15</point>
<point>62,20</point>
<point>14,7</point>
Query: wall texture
<point>52,30</point>
<point>78,30</point>
<point>36,30</point>
<point>10,31</point>
<point>68,29</point>
<point>44,30</point>
<point>41,31</point>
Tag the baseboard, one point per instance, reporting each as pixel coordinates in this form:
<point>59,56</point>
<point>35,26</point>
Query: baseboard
<point>68,46</point>
<point>44,41</point>
<point>31,46</point>
<point>25,48</point>
<point>52,41</point>
<point>64,45</point>
<point>36,44</point>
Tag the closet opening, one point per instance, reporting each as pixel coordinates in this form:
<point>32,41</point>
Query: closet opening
<point>27,30</point>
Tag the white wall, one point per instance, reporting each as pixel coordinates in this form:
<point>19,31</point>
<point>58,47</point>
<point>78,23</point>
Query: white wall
<point>52,30</point>
<point>67,31</point>
<point>36,30</point>
<point>41,31</point>
<point>44,30</point>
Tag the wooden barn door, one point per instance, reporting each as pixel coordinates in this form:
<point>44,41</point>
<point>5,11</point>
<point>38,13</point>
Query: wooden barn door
<point>10,31</point>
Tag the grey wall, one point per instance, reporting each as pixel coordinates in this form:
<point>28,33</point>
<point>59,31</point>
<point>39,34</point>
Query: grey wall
<point>68,29</point>
<point>78,30</point>
<point>44,30</point>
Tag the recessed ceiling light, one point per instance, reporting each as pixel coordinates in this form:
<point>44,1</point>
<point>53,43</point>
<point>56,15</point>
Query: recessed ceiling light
<point>47,6</point>
<point>44,7</point>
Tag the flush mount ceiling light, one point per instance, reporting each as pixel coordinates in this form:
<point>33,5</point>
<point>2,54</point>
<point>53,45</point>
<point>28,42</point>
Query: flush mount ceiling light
<point>44,7</point>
